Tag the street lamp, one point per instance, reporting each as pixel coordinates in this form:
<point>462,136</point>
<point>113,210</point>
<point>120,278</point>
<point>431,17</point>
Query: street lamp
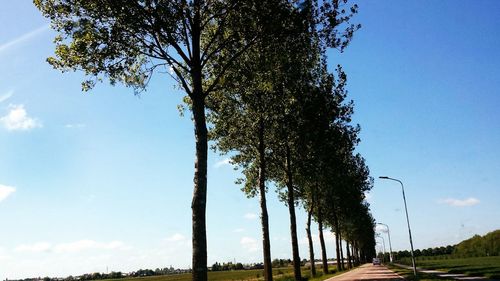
<point>407,221</point>
<point>389,235</point>
<point>383,244</point>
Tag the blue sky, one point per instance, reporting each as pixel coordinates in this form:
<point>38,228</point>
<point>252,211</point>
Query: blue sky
<point>104,178</point>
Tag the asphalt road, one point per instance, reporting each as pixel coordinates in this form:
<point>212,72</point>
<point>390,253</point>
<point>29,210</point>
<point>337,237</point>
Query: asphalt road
<point>367,272</point>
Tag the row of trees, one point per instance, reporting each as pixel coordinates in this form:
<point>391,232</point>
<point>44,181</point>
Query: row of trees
<point>476,246</point>
<point>227,266</point>
<point>286,122</point>
<point>480,246</point>
<point>113,275</point>
<point>429,252</point>
<point>256,72</point>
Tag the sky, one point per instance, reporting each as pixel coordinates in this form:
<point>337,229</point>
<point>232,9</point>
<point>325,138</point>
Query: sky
<point>103,180</point>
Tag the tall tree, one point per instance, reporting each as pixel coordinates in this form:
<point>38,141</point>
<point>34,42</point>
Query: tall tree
<point>242,114</point>
<point>126,41</point>
<point>248,122</point>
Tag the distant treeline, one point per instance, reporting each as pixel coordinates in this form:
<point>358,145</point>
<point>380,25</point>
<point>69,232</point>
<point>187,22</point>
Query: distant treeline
<point>477,246</point>
<point>480,246</point>
<point>239,266</point>
<point>112,275</point>
<point>226,266</point>
<point>437,251</point>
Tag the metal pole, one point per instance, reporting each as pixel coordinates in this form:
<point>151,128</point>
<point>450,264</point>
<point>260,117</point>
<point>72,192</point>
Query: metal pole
<point>383,245</point>
<point>407,221</point>
<point>389,235</point>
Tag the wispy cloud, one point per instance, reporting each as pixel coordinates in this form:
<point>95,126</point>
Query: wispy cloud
<point>5,191</point>
<point>380,228</point>
<point>86,244</point>
<point>34,248</point>
<point>250,216</point>
<point>238,230</point>
<point>176,241</point>
<point>460,202</point>
<point>6,96</point>
<point>177,237</point>
<point>3,255</point>
<point>250,244</point>
<point>327,236</point>
<point>18,120</point>
<point>223,162</point>
<point>75,126</point>
<point>71,247</point>
<point>25,37</point>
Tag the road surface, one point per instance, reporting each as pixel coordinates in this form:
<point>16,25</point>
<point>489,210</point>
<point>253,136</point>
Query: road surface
<point>367,272</point>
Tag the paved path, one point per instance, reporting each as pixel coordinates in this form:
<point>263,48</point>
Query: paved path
<point>442,274</point>
<point>368,272</point>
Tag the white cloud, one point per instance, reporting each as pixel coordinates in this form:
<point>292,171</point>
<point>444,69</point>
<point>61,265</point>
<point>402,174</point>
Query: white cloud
<point>6,96</point>
<point>327,236</point>
<point>5,191</point>
<point>250,244</point>
<point>380,228</point>
<point>75,126</point>
<point>3,256</point>
<point>250,216</point>
<point>177,237</point>
<point>460,203</point>
<point>22,38</point>
<point>18,119</point>
<point>35,248</point>
<point>223,162</point>
<point>304,241</point>
<point>238,230</point>
<point>86,244</point>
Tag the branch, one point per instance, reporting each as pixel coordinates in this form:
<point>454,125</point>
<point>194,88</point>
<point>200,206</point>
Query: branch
<point>185,29</point>
<point>204,56</point>
<point>181,79</point>
<point>228,64</point>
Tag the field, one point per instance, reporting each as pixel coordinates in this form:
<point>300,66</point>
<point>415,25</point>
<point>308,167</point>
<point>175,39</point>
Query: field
<point>481,266</point>
<point>408,274</point>
<point>285,273</point>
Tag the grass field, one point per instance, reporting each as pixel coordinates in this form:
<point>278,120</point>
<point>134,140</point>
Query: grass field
<point>481,266</point>
<point>408,274</point>
<point>279,274</point>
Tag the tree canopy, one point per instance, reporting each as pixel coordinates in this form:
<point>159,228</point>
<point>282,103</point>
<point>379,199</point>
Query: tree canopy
<point>255,73</point>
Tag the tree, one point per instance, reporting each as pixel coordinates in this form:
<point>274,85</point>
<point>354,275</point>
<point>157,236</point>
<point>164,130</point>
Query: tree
<point>127,41</point>
<point>248,114</point>
<point>242,113</point>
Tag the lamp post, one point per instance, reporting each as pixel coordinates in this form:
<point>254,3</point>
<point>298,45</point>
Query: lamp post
<point>383,244</point>
<point>407,221</point>
<point>389,235</point>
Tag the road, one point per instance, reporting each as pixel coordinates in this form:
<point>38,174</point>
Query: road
<point>367,272</point>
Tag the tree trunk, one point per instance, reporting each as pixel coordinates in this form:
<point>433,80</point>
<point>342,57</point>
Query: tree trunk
<point>264,218</point>
<point>348,253</point>
<point>293,222</point>
<point>309,238</point>
<point>337,244</point>
<point>341,252</point>
<point>322,242</point>
<point>337,252</point>
<point>355,253</point>
<point>199,203</point>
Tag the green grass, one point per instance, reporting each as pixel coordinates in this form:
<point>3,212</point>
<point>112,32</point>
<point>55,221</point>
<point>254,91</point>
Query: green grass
<point>480,266</point>
<point>408,274</point>
<point>279,274</point>
<point>306,274</point>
